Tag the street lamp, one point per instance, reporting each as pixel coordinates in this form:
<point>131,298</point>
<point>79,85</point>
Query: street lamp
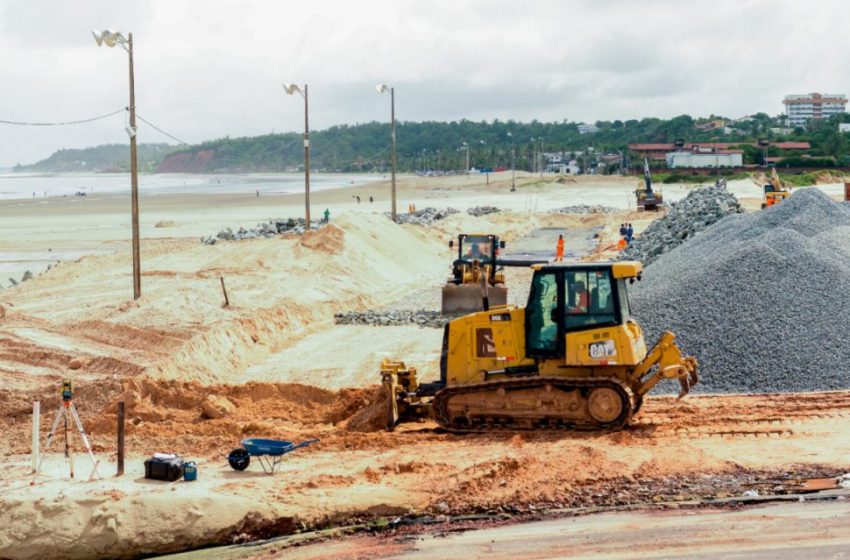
<point>110,39</point>
<point>465,146</point>
<point>290,90</point>
<point>542,157</point>
<point>513,170</point>
<point>383,88</point>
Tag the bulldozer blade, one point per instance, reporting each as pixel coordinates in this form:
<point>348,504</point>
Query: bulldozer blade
<point>467,298</point>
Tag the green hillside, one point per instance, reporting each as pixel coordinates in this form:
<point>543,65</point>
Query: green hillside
<point>104,158</point>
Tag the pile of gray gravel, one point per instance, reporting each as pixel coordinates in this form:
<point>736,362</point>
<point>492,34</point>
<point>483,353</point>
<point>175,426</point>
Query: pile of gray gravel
<point>682,220</point>
<point>585,209</point>
<point>482,210</point>
<point>762,299</point>
<point>265,229</point>
<point>424,217</point>
<point>421,317</point>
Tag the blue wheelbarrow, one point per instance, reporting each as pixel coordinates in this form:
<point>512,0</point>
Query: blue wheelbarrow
<point>268,452</point>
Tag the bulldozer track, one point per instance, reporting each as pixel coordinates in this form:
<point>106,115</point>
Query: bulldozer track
<point>502,421</point>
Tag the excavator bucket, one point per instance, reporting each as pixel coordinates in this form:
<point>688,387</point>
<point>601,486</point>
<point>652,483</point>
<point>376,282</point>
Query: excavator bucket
<point>468,298</point>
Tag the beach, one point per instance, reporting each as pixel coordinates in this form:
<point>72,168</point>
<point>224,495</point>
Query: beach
<point>198,375</point>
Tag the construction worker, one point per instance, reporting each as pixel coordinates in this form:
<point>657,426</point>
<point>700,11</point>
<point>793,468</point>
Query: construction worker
<point>622,244</point>
<point>327,215</point>
<point>559,251</point>
<point>630,233</point>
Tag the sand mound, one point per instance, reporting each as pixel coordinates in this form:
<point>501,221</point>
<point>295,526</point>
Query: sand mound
<point>762,300</point>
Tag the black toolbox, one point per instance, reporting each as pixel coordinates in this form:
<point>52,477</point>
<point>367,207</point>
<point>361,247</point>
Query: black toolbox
<point>169,469</point>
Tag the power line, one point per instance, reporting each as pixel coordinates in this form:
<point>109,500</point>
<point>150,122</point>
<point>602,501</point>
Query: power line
<point>19,123</point>
<point>150,124</point>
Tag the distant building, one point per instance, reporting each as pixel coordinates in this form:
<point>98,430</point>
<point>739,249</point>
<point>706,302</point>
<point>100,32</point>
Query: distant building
<point>813,106</point>
<point>586,128</point>
<point>710,157</point>
<point>843,127</point>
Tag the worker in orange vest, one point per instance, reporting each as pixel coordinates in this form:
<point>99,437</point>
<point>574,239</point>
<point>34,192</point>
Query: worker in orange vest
<point>559,252</point>
<point>622,244</point>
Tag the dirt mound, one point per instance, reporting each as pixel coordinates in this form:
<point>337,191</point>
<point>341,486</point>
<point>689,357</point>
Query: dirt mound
<point>328,239</point>
<point>371,417</point>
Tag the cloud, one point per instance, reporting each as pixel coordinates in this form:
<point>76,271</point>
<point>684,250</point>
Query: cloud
<point>212,68</point>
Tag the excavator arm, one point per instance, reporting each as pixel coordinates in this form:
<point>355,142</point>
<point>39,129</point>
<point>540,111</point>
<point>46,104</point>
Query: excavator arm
<point>671,364</point>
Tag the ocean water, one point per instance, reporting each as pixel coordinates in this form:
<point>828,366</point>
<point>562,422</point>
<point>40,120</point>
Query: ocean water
<point>39,185</point>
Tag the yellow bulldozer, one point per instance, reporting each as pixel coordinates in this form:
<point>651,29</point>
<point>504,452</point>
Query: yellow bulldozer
<point>475,270</point>
<point>774,190</point>
<point>573,358</point>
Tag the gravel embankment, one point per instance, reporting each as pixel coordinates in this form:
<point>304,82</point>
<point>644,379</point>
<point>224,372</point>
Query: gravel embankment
<point>762,299</point>
<point>682,220</point>
<point>392,318</point>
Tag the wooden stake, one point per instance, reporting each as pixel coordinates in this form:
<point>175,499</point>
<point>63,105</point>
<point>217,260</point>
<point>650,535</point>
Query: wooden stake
<point>120,438</point>
<point>223,289</point>
<point>36,438</point>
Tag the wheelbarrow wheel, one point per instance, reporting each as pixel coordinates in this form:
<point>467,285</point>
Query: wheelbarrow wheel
<point>239,459</point>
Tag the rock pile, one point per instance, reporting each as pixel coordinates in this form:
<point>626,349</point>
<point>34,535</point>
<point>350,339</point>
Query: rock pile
<point>424,217</point>
<point>482,210</point>
<point>585,209</point>
<point>762,299</point>
<point>420,317</point>
<point>684,219</point>
<point>266,229</point>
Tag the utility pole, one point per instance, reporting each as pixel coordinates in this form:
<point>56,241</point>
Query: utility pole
<point>291,89</point>
<point>111,39</point>
<point>306,159</point>
<point>392,135</point>
<point>134,179</point>
<point>542,158</point>
<point>513,168</point>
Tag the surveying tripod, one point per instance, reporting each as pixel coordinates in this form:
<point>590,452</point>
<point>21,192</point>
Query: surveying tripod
<point>65,410</point>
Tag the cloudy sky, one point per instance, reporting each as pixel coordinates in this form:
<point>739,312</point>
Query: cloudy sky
<point>212,68</point>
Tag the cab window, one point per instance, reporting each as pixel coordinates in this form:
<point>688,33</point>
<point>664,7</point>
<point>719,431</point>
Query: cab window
<point>476,248</point>
<point>542,313</point>
<point>590,300</point>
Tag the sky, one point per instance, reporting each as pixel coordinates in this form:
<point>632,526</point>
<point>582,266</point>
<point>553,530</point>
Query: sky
<point>207,69</point>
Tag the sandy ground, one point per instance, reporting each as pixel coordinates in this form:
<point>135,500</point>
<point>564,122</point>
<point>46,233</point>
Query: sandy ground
<point>198,377</point>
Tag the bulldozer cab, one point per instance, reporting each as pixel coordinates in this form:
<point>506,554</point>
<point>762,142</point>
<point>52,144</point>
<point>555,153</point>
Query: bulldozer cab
<point>575,298</point>
<point>472,247</point>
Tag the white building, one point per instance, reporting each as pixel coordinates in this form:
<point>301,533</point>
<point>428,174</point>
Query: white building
<point>586,128</point>
<point>843,127</point>
<point>716,158</point>
<point>801,108</point>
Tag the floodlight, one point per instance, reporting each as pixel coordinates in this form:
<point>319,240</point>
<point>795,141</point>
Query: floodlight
<point>382,88</point>
<point>291,88</point>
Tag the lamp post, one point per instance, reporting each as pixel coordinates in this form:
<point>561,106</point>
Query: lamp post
<point>513,169</point>
<point>542,158</point>
<point>465,146</point>
<point>383,88</point>
<point>110,39</point>
<point>290,90</point>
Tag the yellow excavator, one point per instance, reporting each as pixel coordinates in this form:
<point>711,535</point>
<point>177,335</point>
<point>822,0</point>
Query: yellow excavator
<point>647,198</point>
<point>474,269</point>
<point>573,358</point>
<point>774,191</point>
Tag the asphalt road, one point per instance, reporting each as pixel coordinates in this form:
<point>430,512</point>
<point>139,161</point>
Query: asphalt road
<point>777,532</point>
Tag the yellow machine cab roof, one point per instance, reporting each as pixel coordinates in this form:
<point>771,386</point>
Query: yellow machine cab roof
<point>622,269</point>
